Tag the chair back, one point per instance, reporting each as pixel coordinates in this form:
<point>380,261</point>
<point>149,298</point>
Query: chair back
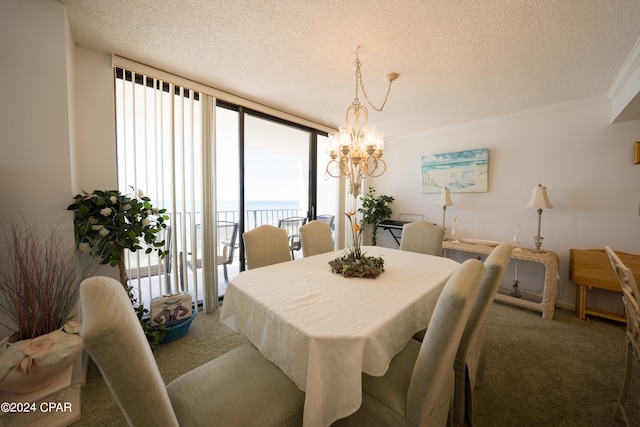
<point>327,219</point>
<point>469,363</point>
<point>292,225</point>
<point>430,390</point>
<point>630,298</point>
<point>495,266</point>
<point>112,336</point>
<point>423,237</point>
<point>266,245</point>
<point>316,238</point>
<point>624,275</point>
<point>227,236</point>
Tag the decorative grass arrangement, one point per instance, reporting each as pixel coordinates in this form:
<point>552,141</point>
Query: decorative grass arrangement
<point>39,281</point>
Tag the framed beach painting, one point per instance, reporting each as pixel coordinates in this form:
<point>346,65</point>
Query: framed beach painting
<point>460,171</point>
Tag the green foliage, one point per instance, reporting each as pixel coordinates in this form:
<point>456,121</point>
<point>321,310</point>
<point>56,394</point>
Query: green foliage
<point>122,221</point>
<point>375,210</point>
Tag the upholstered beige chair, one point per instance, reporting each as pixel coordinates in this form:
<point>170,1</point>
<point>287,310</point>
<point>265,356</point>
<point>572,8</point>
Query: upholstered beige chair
<point>316,238</point>
<point>630,298</point>
<point>469,363</point>
<point>239,388</point>
<point>423,237</point>
<point>266,245</point>
<point>417,389</point>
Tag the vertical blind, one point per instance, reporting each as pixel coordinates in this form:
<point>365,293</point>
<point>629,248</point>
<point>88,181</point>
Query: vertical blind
<point>165,148</point>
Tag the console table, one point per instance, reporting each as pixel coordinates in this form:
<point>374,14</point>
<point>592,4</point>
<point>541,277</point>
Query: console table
<point>547,258</point>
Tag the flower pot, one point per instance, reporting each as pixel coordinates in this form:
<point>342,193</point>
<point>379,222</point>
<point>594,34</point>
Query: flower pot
<point>30,365</point>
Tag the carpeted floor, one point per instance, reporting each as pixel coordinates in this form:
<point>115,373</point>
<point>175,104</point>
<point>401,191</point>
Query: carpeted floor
<point>563,372</point>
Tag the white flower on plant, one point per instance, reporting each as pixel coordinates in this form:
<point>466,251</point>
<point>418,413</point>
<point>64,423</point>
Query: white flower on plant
<point>104,231</point>
<point>127,207</point>
<point>97,227</point>
<point>146,222</point>
<point>84,247</point>
<point>93,220</point>
<point>156,211</point>
<point>106,211</point>
<point>149,212</point>
<point>140,193</point>
<point>113,199</point>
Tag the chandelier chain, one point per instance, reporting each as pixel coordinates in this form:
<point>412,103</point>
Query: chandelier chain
<point>360,83</point>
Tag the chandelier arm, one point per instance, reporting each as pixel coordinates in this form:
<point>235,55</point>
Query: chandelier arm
<point>384,169</point>
<point>328,171</point>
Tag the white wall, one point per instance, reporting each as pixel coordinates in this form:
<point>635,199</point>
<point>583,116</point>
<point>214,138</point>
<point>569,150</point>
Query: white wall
<point>95,124</point>
<point>56,118</point>
<point>586,164</point>
<point>35,172</point>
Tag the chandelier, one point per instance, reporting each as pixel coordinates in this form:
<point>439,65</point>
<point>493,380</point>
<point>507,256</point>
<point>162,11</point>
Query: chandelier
<point>356,150</point>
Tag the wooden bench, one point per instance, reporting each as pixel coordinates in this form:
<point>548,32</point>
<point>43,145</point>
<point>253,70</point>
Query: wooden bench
<point>590,268</point>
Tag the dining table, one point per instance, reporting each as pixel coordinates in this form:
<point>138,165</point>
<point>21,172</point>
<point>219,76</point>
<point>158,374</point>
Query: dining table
<point>324,330</point>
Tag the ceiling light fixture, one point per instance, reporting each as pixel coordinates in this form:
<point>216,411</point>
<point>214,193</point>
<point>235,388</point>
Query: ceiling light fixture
<point>356,150</point>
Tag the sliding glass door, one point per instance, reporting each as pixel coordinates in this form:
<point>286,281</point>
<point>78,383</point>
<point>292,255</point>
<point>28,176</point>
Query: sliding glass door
<point>276,175</point>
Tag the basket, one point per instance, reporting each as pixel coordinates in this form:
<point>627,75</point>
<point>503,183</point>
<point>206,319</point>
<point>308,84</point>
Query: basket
<point>178,331</point>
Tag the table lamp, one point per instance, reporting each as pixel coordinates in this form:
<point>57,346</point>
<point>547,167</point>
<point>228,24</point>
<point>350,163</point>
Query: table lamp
<point>445,200</point>
<point>539,200</point>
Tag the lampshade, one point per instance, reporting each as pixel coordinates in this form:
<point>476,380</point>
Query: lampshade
<point>445,198</point>
<point>539,198</point>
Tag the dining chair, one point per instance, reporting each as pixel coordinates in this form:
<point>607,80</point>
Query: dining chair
<point>418,387</point>
<point>227,235</point>
<point>292,225</point>
<point>227,244</point>
<point>327,219</point>
<point>266,245</point>
<point>470,359</point>
<point>423,237</point>
<point>238,388</point>
<point>630,297</point>
<point>316,238</point>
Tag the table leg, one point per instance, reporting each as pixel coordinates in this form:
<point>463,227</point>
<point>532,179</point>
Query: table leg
<point>581,301</point>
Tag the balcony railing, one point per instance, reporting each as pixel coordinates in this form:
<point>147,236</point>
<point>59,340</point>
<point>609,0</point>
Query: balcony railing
<point>151,277</point>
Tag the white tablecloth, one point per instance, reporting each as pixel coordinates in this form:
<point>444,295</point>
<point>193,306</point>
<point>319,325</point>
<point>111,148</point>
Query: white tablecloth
<point>324,330</point>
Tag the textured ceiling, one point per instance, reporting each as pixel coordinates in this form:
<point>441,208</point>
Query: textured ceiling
<point>458,60</point>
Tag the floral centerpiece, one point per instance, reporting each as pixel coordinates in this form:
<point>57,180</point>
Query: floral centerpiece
<point>39,288</point>
<point>354,263</point>
<point>375,210</point>
<point>121,221</point>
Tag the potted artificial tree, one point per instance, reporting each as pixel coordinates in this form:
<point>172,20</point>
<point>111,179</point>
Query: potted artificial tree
<point>121,222</point>
<point>375,210</point>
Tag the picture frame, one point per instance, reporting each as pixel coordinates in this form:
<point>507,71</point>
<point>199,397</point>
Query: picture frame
<point>636,154</point>
<point>461,171</point>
